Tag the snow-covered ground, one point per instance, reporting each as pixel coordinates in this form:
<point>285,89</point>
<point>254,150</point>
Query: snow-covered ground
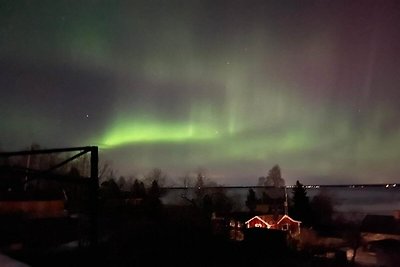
<point>6,261</point>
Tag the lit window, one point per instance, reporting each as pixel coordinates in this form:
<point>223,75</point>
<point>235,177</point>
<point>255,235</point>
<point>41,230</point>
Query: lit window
<point>258,225</point>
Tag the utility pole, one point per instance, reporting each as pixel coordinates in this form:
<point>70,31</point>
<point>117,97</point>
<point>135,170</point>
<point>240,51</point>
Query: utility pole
<point>28,165</point>
<point>94,177</point>
<point>286,202</point>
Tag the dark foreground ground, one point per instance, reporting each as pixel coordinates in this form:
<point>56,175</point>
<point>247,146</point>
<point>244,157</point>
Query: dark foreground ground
<point>215,253</point>
<point>174,237</point>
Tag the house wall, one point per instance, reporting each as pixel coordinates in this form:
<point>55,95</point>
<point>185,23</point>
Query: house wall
<point>256,223</point>
<point>294,227</point>
<point>34,209</point>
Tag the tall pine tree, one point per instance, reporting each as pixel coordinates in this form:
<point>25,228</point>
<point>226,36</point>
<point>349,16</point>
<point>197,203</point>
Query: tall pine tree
<point>251,201</point>
<point>301,209</point>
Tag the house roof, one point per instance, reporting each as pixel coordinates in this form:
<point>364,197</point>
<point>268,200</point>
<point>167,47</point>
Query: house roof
<point>287,216</point>
<point>270,219</point>
<point>259,218</point>
<point>383,224</point>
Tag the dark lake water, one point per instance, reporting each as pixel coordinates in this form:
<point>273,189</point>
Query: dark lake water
<point>347,200</point>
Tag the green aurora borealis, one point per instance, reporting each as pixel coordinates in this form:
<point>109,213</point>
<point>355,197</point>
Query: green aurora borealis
<point>230,86</point>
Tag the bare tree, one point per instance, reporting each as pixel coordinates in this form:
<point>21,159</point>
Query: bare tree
<point>185,180</point>
<point>274,177</point>
<point>199,187</point>
<point>158,175</point>
<point>122,184</point>
<point>105,171</point>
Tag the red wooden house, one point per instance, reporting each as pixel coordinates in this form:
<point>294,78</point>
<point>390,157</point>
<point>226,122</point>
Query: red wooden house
<point>277,222</point>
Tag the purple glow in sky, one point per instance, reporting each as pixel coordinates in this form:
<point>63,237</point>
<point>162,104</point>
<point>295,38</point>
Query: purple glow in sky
<point>230,86</point>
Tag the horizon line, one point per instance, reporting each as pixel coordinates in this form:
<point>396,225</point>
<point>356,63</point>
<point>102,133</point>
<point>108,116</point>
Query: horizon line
<point>310,186</point>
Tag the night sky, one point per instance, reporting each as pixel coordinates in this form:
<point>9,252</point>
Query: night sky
<point>232,87</point>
